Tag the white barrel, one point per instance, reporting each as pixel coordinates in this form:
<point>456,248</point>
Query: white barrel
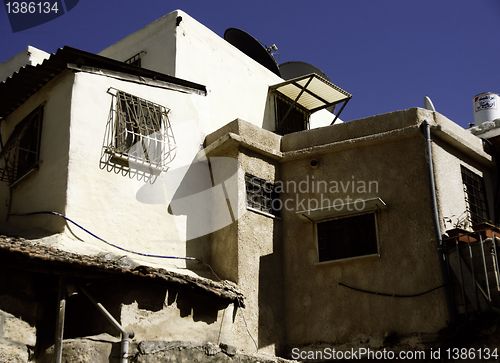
<point>486,107</point>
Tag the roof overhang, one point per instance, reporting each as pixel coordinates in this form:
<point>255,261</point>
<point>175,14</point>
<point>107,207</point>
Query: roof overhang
<point>312,93</point>
<point>34,255</point>
<point>16,89</point>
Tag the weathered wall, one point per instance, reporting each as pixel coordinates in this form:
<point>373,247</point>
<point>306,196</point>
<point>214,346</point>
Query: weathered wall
<point>45,188</point>
<point>17,339</point>
<point>249,251</point>
<point>172,314</point>
<point>448,159</point>
<point>408,261</point>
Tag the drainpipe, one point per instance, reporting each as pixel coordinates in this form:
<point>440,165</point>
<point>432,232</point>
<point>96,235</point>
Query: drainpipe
<point>437,225</point>
<point>125,336</point>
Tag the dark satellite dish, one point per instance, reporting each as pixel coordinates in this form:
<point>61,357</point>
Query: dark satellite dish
<point>296,69</point>
<point>252,48</point>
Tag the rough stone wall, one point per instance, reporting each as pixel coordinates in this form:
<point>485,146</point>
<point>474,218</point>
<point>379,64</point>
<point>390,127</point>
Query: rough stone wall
<point>17,339</point>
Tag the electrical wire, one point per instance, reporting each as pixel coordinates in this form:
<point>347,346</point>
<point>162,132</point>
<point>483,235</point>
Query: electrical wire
<point>246,326</point>
<point>387,294</point>
<point>103,240</point>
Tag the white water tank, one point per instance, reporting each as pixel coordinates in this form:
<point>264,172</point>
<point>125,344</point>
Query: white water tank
<point>486,107</point>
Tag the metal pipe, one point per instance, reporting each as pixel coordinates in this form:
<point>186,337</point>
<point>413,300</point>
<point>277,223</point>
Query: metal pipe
<point>494,256</point>
<point>125,336</point>
<point>437,226</point>
<point>474,282</point>
<point>462,288</point>
<point>340,111</point>
<point>485,267</point>
<point>61,312</point>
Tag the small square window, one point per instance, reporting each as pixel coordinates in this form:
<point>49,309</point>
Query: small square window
<point>22,151</point>
<point>261,194</point>
<point>349,237</point>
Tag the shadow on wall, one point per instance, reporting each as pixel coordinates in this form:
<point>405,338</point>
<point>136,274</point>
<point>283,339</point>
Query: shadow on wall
<point>83,319</point>
<point>271,295</point>
<point>123,167</point>
<point>203,196</point>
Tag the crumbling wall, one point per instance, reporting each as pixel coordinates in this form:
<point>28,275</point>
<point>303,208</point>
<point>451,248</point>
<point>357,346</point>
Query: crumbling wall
<point>17,339</point>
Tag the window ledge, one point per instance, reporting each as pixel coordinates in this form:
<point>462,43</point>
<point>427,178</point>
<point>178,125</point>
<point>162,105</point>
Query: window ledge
<point>346,209</point>
<point>130,161</point>
<point>374,256</point>
<point>266,214</point>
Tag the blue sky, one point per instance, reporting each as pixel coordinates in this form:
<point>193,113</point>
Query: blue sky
<point>388,53</point>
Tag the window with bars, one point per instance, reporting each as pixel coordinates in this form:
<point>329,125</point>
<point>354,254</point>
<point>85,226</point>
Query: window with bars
<point>348,237</point>
<point>475,197</point>
<point>289,118</point>
<point>139,131</point>
<point>135,60</point>
<point>260,194</point>
<point>21,154</point>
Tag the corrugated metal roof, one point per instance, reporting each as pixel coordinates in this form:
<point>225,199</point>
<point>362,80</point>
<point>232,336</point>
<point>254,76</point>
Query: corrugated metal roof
<point>16,89</point>
<point>312,92</point>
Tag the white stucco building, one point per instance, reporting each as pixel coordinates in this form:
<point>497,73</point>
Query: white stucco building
<point>156,163</point>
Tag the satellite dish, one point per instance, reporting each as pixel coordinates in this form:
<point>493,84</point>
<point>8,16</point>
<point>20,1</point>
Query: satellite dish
<point>296,69</point>
<point>428,105</point>
<point>252,48</point>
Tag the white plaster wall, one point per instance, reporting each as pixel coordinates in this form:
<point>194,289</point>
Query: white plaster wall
<point>237,85</point>
<point>157,42</point>
<point>107,202</point>
<point>45,188</point>
<point>31,56</point>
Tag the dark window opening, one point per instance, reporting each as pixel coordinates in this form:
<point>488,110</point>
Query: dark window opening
<point>135,60</point>
<point>21,153</point>
<point>261,194</point>
<point>288,119</point>
<point>475,197</point>
<point>347,237</point>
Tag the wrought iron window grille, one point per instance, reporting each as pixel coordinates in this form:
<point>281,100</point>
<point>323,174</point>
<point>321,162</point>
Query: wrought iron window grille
<point>135,60</point>
<point>21,153</point>
<point>139,133</point>
<point>475,197</point>
<point>260,194</point>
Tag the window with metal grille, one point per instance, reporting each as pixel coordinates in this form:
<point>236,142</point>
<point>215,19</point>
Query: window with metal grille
<point>261,194</point>
<point>475,197</point>
<point>139,132</point>
<point>21,154</point>
<point>289,118</point>
<point>348,237</point>
<point>135,60</point>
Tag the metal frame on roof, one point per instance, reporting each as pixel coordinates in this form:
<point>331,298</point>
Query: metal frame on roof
<point>312,93</point>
